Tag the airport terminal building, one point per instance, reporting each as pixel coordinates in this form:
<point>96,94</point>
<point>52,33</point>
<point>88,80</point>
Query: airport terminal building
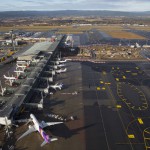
<point>40,53</point>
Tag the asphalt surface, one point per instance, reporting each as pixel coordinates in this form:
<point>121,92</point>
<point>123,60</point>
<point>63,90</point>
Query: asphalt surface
<point>111,102</point>
<point>98,37</point>
<point>145,34</point>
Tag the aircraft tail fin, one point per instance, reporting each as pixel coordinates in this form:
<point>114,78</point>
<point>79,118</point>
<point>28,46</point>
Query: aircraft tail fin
<point>51,140</point>
<point>4,76</point>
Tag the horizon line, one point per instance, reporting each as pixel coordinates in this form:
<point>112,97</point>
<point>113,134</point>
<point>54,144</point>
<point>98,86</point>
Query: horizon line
<point>74,10</point>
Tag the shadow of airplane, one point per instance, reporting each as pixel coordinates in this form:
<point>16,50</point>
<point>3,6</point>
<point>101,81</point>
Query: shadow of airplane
<point>53,102</point>
<point>63,131</point>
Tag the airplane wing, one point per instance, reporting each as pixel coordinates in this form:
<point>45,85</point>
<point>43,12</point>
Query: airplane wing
<point>43,143</point>
<point>30,130</point>
<point>45,124</point>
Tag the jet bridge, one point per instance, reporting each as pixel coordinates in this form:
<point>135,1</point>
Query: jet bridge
<point>14,104</point>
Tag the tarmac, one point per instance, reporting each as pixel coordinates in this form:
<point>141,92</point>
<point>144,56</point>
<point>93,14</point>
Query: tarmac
<point>110,104</point>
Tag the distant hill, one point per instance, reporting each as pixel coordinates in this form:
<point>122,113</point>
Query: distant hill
<point>102,13</point>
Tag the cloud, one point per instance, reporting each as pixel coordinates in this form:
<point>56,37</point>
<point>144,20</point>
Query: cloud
<point>121,5</point>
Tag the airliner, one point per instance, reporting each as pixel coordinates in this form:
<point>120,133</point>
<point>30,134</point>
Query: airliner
<point>18,72</point>
<point>9,78</point>
<point>23,62</point>
<point>3,90</point>
<point>59,61</point>
<point>22,67</point>
<point>61,70</point>
<point>56,86</point>
<point>39,127</point>
<point>50,79</point>
<point>45,90</point>
<point>61,65</point>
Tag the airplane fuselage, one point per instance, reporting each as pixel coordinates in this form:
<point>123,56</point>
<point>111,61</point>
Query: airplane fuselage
<point>40,129</point>
<point>56,86</point>
<point>61,70</point>
<point>9,78</point>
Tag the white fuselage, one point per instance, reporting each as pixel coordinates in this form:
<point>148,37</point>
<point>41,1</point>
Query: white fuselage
<point>23,62</point>
<point>57,86</point>
<point>61,65</point>
<point>39,128</point>
<point>19,71</point>
<point>21,66</point>
<point>61,70</point>
<point>9,78</point>
<point>35,121</point>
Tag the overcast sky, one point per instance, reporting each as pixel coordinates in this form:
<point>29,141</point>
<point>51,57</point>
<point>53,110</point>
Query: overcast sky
<point>121,5</point>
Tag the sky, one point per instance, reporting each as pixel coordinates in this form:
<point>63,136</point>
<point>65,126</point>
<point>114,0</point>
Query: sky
<point>49,5</point>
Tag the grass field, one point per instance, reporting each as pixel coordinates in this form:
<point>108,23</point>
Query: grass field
<point>141,28</point>
<point>110,28</point>
<point>30,28</point>
<point>115,31</point>
<point>61,28</point>
<point>124,35</point>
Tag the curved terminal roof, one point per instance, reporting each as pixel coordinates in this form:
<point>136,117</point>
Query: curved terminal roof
<point>33,51</point>
<point>38,47</point>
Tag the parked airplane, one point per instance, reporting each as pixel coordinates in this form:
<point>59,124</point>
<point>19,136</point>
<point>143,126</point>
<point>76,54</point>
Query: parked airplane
<point>9,78</point>
<point>61,65</point>
<point>50,72</point>
<point>45,90</point>
<point>39,127</point>
<point>57,62</point>
<point>22,67</point>
<point>50,79</point>
<point>53,67</point>
<point>56,86</point>
<point>59,59</point>
<point>3,90</point>
<point>61,70</point>
<point>56,66</point>
<point>23,62</point>
<point>62,61</point>
<point>18,72</point>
